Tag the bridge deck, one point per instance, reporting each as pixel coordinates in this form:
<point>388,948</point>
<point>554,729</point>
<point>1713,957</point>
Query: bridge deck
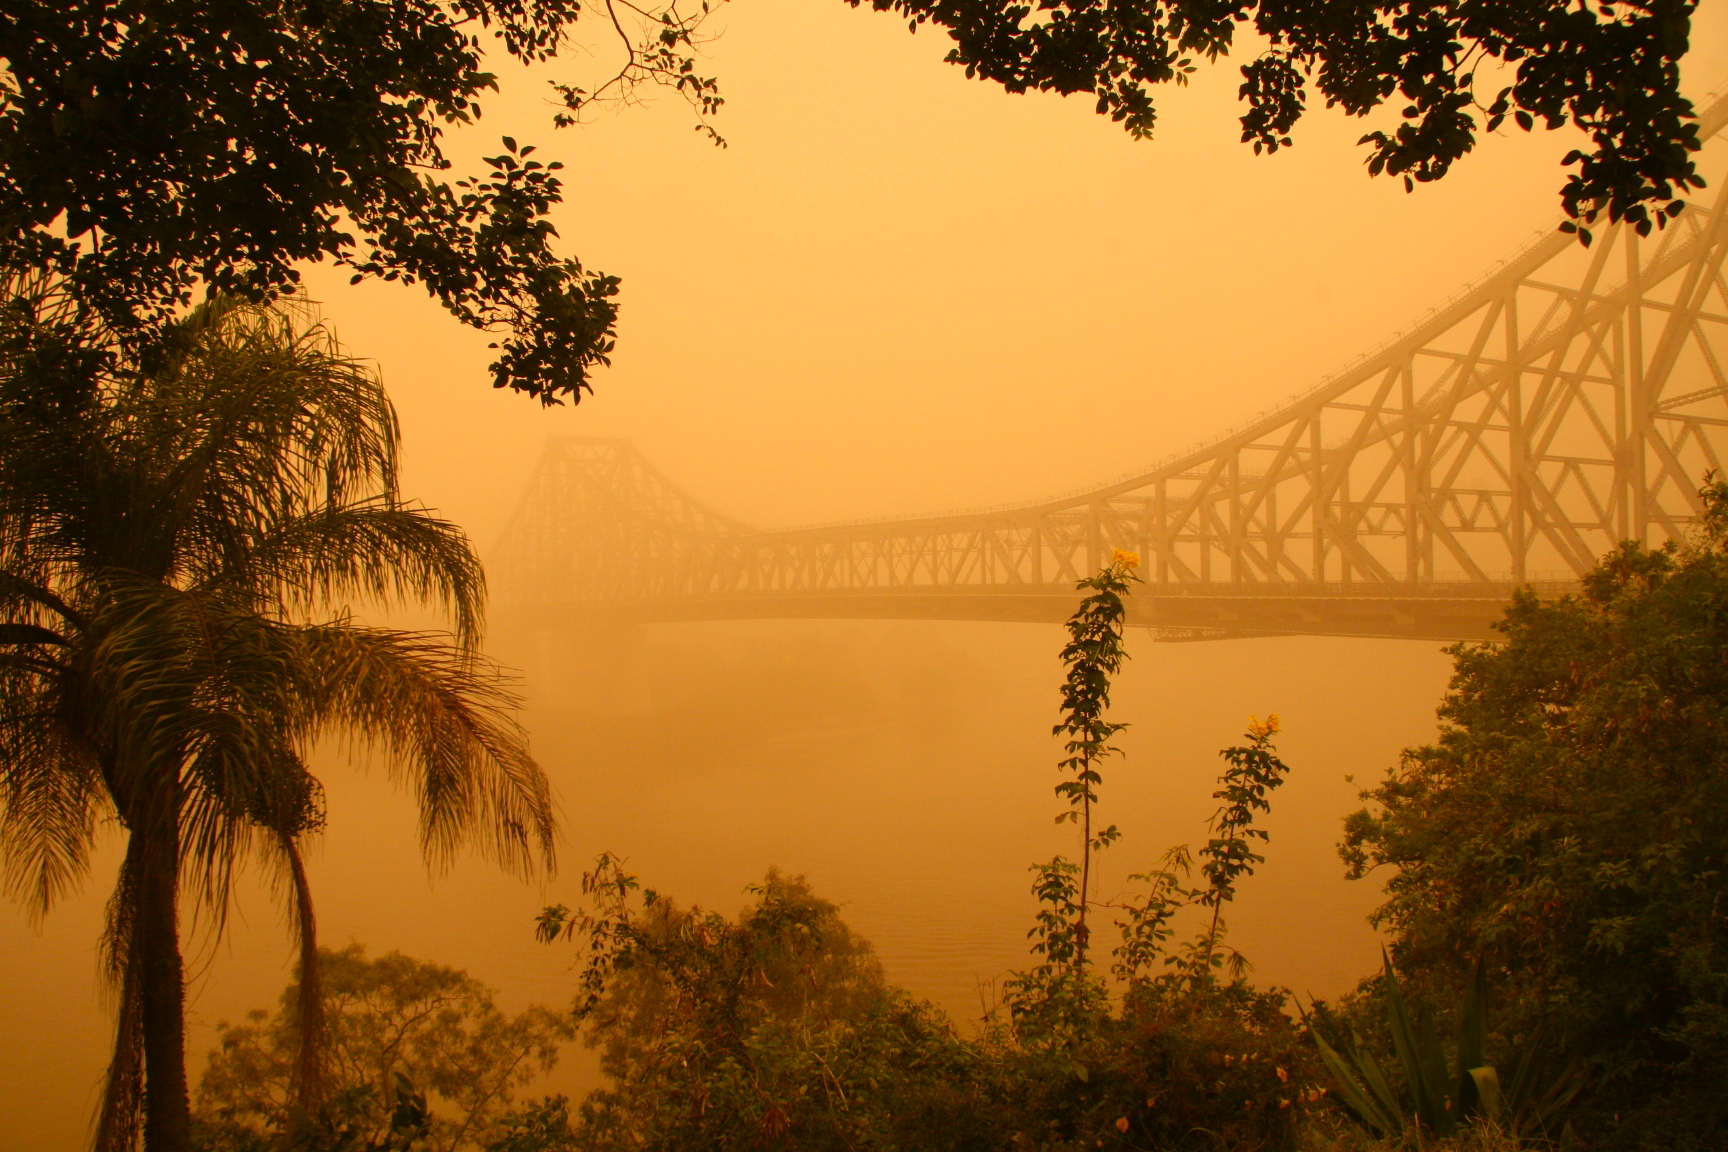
<point>1439,613</point>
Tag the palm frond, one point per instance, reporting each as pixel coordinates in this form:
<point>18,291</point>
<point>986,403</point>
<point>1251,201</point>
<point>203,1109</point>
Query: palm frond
<point>49,803</point>
<point>214,699</point>
<point>241,782</point>
<point>448,721</point>
<point>28,603</point>
<point>51,793</point>
<point>371,548</point>
<point>267,421</point>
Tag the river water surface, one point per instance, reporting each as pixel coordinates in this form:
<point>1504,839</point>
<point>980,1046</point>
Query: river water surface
<point>905,768</point>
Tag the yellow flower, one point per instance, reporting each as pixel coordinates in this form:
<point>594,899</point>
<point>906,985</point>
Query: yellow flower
<point>1259,729</point>
<point>1124,559</point>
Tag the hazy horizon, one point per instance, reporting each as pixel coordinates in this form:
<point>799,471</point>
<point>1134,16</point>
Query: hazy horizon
<point>896,292</point>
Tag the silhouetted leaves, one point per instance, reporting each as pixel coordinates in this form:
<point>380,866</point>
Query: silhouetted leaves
<point>1570,826</point>
<point>1612,71</point>
<point>148,146</point>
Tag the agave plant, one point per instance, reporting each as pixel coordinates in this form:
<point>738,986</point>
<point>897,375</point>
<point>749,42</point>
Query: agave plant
<point>1434,1094</point>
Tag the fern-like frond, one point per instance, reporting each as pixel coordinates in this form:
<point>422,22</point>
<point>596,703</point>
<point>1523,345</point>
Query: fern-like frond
<point>447,724</point>
<point>374,549</point>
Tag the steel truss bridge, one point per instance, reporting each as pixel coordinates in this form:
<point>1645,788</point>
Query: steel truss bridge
<point>1572,400</point>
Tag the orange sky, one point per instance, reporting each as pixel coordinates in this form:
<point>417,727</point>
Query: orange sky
<point>897,291</point>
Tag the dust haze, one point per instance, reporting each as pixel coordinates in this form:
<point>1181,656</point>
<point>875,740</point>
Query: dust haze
<point>896,292</point>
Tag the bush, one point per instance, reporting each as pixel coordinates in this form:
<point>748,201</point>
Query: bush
<point>1570,826</point>
<point>774,1029</point>
<point>415,1050</point>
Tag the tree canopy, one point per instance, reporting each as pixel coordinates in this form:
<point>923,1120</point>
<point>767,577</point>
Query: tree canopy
<point>1611,68</point>
<point>1570,829</point>
<point>774,1029</point>
<point>150,145</point>
<point>392,1020</point>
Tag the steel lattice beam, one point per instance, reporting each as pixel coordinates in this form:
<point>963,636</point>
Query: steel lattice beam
<point>1573,400</point>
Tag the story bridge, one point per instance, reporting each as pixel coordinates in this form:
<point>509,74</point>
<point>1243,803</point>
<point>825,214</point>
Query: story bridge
<point>1574,399</point>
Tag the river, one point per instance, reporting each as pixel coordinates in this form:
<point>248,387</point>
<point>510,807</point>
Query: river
<point>904,767</point>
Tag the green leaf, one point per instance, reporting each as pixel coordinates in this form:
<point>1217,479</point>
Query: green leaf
<point>1377,1112</point>
<point>1479,1093</point>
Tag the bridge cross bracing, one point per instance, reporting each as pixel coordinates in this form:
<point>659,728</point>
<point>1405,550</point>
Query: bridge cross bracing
<point>1572,400</point>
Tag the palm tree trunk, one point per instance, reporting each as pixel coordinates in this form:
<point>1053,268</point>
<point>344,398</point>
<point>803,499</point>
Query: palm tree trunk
<point>123,1093</point>
<point>167,1104</point>
<point>308,1077</point>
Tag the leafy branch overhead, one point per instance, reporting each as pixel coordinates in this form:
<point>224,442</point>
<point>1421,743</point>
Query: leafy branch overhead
<point>1610,68</point>
<point>148,146</point>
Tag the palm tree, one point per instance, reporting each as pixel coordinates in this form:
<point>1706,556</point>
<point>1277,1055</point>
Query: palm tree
<point>179,539</point>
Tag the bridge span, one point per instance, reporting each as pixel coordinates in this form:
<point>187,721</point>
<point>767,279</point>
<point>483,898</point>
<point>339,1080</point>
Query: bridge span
<point>1573,399</point>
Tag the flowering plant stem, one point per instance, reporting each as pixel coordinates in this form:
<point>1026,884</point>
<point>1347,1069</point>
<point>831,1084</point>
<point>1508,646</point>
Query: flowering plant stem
<point>1093,655</point>
<point>1229,856</point>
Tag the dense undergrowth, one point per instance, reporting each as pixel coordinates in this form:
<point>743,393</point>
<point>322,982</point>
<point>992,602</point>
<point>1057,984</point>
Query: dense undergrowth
<point>1558,946</point>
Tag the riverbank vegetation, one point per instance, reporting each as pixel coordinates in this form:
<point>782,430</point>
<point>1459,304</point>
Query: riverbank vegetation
<point>177,527</point>
<point>195,485</point>
<point>1555,974</point>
